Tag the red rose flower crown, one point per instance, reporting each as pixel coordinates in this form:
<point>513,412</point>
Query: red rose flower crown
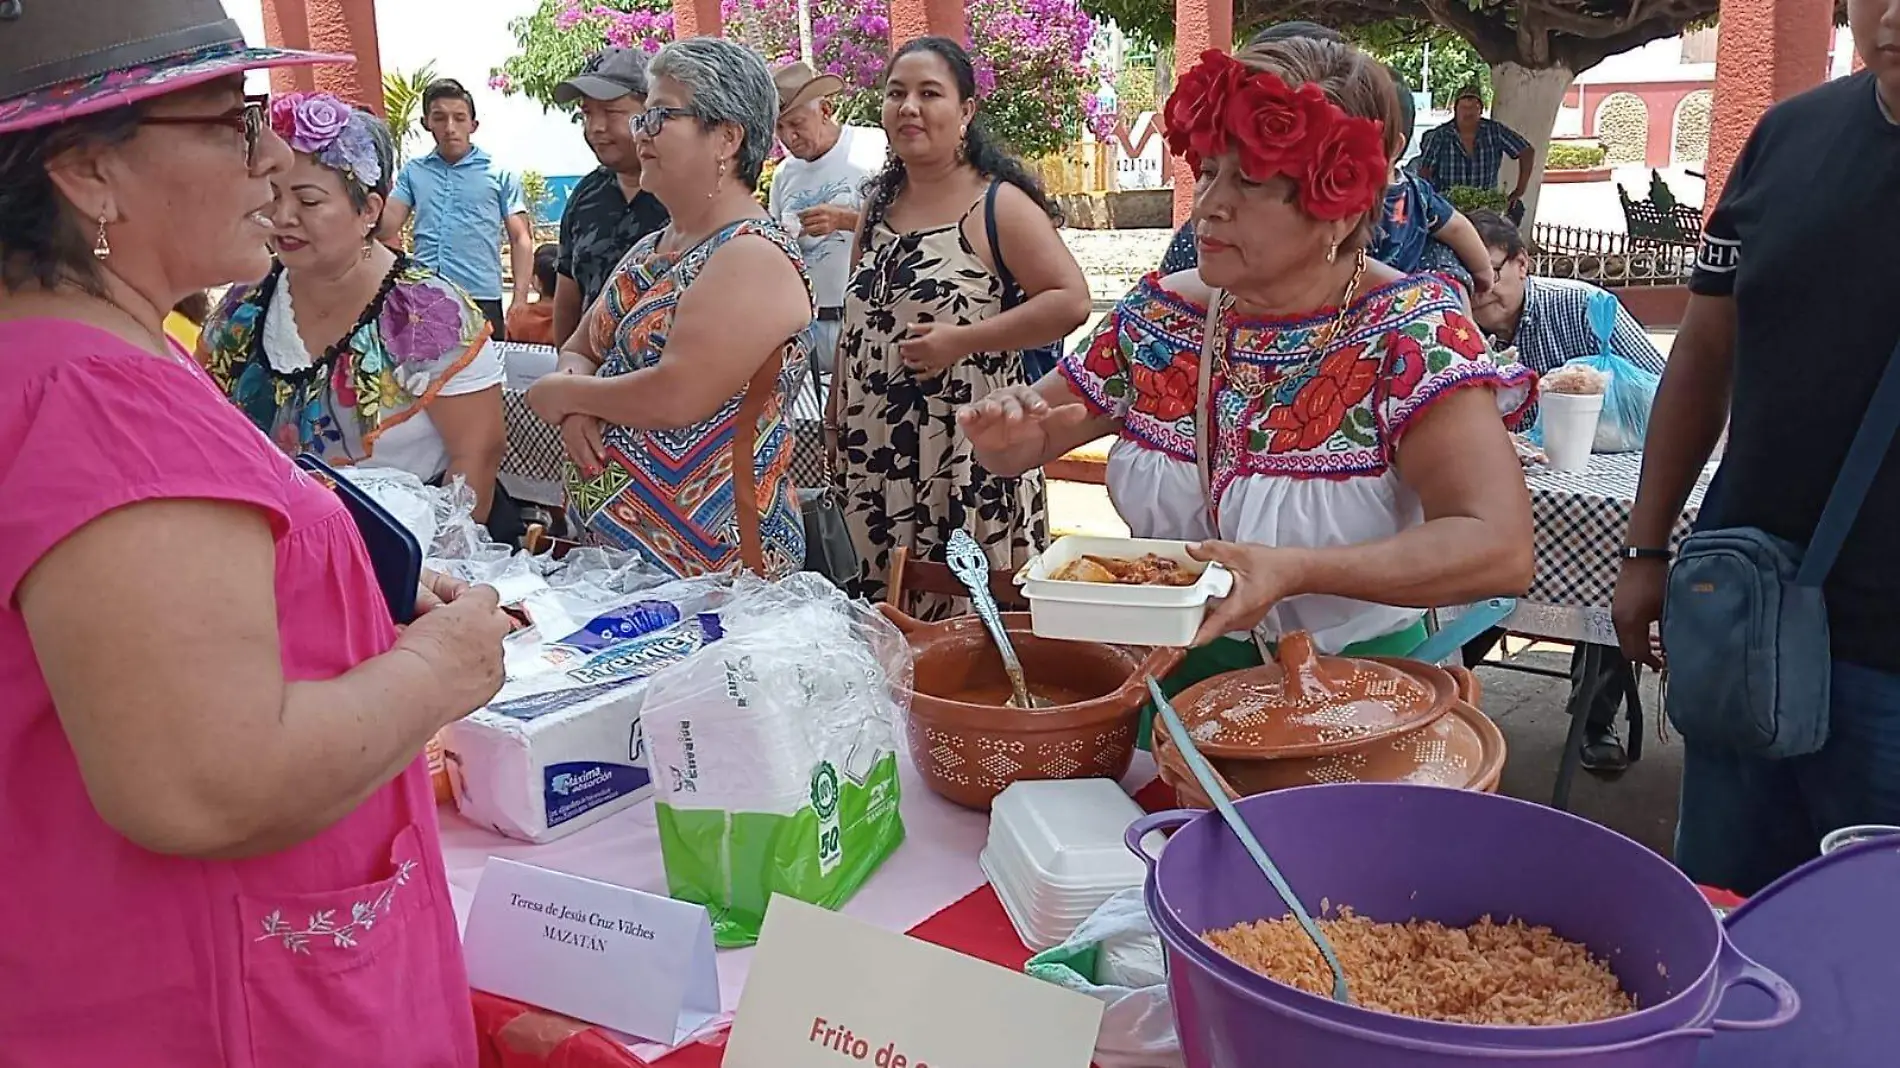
<point>1337,160</point>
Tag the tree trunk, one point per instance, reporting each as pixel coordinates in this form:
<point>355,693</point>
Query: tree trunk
<point>1527,101</point>
<point>805,49</point>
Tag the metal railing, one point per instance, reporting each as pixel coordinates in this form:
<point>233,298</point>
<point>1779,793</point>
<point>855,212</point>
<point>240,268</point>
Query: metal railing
<point>1607,258</point>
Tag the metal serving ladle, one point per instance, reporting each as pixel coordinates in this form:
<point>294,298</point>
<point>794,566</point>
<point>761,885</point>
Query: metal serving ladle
<point>972,568</point>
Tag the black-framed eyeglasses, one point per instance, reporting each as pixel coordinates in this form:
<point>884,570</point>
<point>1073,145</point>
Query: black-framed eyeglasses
<point>650,122</point>
<point>247,117</point>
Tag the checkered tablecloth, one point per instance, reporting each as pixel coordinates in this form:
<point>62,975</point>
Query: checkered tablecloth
<point>1582,519</point>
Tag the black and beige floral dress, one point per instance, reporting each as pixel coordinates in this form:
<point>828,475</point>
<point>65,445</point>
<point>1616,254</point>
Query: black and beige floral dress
<point>908,475</point>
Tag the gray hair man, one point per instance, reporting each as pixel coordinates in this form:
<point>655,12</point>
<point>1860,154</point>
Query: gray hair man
<point>608,213</point>
<point>819,190</point>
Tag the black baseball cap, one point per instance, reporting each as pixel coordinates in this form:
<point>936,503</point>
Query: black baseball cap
<point>610,75</point>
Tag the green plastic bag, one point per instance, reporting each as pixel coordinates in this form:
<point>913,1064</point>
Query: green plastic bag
<point>773,753</point>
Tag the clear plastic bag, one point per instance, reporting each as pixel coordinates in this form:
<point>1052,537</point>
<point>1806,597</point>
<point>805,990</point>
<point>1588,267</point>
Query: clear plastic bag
<point>773,752</point>
<point>1115,956</point>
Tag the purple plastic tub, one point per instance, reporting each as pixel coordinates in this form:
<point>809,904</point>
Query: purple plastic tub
<point>1396,852</point>
<point>1831,927</point>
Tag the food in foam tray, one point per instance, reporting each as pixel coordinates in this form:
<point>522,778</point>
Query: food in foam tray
<point>1147,569</point>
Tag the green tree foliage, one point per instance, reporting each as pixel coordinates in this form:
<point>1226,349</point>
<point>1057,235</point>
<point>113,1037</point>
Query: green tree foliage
<point>402,103</point>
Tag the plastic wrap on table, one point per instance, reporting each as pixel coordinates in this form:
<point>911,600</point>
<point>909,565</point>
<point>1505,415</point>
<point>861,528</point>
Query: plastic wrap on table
<point>562,745</point>
<point>774,753</point>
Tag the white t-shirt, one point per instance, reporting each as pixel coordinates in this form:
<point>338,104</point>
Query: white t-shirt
<point>414,445</point>
<point>837,177</point>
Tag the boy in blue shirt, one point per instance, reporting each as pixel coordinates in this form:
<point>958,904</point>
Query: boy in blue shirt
<point>463,205</point>
<point>1421,232</point>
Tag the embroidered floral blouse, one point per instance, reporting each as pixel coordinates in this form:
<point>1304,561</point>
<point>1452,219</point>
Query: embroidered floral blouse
<point>365,400</point>
<point>1304,440</point>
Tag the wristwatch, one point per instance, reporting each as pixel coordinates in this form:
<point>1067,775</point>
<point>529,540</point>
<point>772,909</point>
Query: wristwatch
<point>1633,552</point>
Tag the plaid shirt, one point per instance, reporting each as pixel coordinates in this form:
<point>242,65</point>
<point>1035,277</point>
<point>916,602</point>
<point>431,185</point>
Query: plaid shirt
<point>1445,154</point>
<point>1555,329</point>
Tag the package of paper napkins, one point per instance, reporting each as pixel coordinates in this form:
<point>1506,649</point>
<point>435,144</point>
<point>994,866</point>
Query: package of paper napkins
<point>561,746</point>
<point>773,751</point>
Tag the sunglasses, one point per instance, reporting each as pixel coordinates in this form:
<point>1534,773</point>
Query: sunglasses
<point>650,122</point>
<point>247,118</point>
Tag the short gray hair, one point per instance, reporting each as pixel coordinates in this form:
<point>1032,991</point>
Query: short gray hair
<point>729,84</point>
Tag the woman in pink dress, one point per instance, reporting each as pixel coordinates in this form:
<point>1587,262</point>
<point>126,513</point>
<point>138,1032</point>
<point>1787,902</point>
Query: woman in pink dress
<point>217,833</point>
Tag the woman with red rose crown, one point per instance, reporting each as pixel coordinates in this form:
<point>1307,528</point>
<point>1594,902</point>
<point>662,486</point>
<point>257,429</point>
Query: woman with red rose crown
<point>1355,470</point>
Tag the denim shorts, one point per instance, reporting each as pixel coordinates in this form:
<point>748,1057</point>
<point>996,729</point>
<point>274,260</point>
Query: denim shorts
<point>1746,821</point>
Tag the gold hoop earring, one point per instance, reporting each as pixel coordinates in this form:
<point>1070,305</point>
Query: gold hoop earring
<point>102,247</point>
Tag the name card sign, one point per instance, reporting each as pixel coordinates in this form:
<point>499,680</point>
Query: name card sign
<point>610,955</point>
<point>827,991</point>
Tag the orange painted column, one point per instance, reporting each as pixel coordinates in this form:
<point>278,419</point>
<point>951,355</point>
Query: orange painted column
<point>346,26</point>
<point>911,19</point>
<point>697,18</point>
<point>1768,51</point>
<point>1199,26</point>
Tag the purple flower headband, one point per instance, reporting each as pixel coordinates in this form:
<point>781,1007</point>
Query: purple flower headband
<point>322,125</point>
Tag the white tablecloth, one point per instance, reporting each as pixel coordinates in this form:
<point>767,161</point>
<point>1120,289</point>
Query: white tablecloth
<point>932,870</point>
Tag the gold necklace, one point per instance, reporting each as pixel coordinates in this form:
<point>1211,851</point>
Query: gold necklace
<point>1251,382</point>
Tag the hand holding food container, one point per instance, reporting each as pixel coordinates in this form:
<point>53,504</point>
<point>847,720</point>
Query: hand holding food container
<point>1570,401</point>
<point>1124,591</point>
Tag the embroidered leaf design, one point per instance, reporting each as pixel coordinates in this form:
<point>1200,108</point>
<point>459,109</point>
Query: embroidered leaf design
<point>273,923</point>
<point>361,913</point>
<point>1353,433</point>
<point>297,942</point>
<point>342,938</point>
<point>1361,418</point>
<point>1418,331</point>
<point>1257,441</point>
<point>1116,387</point>
<point>320,922</point>
<point>1438,358</point>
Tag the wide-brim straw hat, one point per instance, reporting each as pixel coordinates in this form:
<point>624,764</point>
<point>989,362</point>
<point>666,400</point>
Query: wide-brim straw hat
<point>63,59</point>
<point>798,84</point>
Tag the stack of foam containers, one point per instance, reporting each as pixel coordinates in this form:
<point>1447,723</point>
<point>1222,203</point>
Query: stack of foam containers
<point>1055,853</point>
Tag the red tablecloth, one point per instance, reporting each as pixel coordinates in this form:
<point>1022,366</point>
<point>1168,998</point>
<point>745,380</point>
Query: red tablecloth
<point>514,1035</point>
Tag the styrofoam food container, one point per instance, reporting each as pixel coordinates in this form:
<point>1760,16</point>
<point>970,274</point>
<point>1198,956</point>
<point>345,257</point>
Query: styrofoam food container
<point>1070,830</point>
<point>1036,929</point>
<point>1112,613</point>
<point>1042,898</point>
<point>1008,884</point>
<point>1843,837</point>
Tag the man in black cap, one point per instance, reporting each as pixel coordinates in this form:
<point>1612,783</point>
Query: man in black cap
<point>1469,151</point>
<point>1182,253</point>
<point>608,212</point>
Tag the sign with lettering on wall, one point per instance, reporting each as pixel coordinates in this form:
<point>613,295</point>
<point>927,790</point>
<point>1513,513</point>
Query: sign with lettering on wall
<point>598,952</point>
<point>1140,154</point>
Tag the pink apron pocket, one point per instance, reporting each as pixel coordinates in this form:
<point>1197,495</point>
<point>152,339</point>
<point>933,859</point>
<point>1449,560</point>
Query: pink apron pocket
<point>340,976</point>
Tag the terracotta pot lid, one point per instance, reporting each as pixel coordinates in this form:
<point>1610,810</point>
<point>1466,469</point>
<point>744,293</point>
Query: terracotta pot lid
<point>1309,705</point>
<point>1461,749</point>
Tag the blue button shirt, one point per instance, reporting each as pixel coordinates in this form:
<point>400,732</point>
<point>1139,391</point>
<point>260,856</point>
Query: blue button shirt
<point>461,211</point>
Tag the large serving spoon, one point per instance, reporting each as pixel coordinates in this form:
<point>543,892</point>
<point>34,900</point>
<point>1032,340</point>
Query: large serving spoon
<point>1211,786</point>
<point>972,568</point>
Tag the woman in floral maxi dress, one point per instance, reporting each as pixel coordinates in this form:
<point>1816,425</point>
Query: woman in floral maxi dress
<point>926,330</point>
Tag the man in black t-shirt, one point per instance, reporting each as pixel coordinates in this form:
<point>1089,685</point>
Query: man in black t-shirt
<point>608,213</point>
<point>1791,322</point>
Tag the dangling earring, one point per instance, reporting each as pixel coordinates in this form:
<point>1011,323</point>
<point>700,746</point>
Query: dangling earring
<point>369,243</point>
<point>102,247</point>
<point>963,144</point>
<point>719,181</point>
<point>1332,252</point>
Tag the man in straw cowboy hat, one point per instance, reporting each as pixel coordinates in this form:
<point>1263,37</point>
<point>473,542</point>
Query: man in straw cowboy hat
<point>220,776</point>
<point>818,192</point>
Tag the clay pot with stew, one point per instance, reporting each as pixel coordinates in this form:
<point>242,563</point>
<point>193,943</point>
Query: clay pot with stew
<point>968,742</point>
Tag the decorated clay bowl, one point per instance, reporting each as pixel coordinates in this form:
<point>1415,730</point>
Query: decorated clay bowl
<point>969,744</point>
<point>1461,749</point>
<point>1304,704</point>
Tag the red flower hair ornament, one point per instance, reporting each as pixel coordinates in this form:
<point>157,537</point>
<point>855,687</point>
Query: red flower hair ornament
<point>1337,160</point>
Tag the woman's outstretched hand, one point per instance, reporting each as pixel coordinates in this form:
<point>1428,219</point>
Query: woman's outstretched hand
<point>1011,428</point>
<point>1263,577</point>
